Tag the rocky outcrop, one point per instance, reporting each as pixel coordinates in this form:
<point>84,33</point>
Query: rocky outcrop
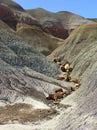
<point>81,50</point>
<point>13,15</point>
<point>79,40</point>
<point>37,38</point>
<point>21,88</point>
<point>5,26</point>
<point>55,28</point>
<point>11,4</point>
<point>50,22</point>
<point>7,15</point>
<point>25,24</point>
<point>28,78</point>
<point>71,21</point>
<point>59,24</point>
<point>23,17</point>
<point>16,52</point>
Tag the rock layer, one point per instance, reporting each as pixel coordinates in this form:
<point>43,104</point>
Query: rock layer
<point>27,77</point>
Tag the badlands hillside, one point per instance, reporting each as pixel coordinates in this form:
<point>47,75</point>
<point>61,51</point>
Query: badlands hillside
<point>34,46</point>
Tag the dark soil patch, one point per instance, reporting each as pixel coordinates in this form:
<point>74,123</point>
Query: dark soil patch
<point>24,113</point>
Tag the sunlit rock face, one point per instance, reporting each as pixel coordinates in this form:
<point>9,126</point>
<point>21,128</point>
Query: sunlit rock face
<point>80,49</point>
<point>59,24</point>
<point>37,38</point>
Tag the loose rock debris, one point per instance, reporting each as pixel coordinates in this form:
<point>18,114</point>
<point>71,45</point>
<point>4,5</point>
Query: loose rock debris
<point>65,75</point>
